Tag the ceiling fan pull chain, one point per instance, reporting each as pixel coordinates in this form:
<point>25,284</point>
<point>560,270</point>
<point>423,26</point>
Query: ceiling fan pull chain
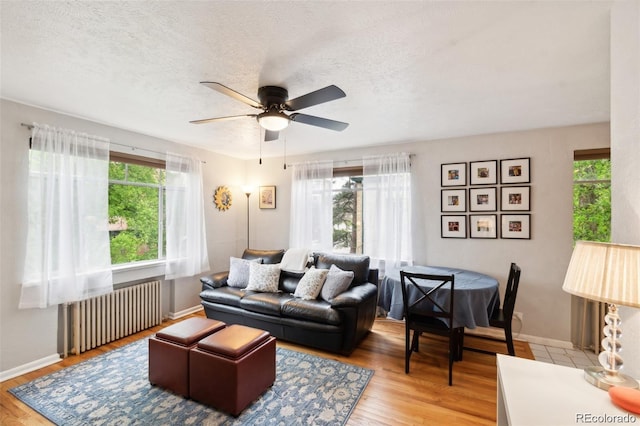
<point>284,160</point>
<point>260,142</point>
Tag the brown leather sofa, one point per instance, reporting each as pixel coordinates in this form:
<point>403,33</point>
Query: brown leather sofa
<point>337,327</point>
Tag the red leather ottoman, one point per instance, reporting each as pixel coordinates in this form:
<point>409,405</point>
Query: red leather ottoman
<point>229,369</point>
<point>169,352</point>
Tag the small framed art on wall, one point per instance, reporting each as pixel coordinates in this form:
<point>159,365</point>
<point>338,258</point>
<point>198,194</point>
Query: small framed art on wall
<point>454,226</point>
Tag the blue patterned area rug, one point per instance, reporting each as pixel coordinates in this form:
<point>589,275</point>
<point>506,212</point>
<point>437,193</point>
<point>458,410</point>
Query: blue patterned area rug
<point>113,389</point>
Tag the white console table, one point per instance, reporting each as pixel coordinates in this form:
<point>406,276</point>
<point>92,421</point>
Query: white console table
<point>536,393</point>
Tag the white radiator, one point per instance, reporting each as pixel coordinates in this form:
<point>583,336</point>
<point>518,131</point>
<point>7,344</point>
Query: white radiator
<point>126,311</point>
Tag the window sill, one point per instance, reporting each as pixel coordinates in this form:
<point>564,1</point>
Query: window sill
<point>138,271</point>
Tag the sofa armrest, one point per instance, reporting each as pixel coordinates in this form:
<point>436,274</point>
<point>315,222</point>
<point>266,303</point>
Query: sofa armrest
<point>217,280</point>
<point>355,295</point>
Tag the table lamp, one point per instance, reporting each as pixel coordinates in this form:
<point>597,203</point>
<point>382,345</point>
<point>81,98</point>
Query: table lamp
<point>609,273</point>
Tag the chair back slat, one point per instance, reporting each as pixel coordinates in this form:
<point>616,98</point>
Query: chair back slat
<point>428,294</point>
<point>511,291</point>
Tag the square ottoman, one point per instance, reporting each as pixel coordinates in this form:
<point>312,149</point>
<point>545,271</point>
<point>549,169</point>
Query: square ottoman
<point>169,352</point>
<point>231,368</point>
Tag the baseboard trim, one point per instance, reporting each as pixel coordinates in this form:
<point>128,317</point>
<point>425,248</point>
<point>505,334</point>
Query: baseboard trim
<point>29,367</point>
<point>185,312</point>
<point>497,333</point>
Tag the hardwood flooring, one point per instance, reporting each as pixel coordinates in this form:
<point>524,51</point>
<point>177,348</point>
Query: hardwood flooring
<point>391,398</point>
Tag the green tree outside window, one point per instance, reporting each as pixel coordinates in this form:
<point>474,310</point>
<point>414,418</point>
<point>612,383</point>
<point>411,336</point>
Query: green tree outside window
<point>592,200</point>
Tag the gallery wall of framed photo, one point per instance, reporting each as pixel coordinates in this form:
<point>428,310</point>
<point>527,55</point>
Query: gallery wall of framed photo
<point>486,199</point>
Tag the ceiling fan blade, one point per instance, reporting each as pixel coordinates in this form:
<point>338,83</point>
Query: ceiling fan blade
<point>230,92</point>
<point>270,135</point>
<point>230,117</point>
<point>319,122</point>
<point>329,93</point>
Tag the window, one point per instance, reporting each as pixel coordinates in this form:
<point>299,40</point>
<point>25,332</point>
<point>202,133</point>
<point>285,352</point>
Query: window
<point>347,210</point>
<point>136,209</point>
<point>592,195</point>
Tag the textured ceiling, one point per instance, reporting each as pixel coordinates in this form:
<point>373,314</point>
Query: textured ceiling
<point>412,71</point>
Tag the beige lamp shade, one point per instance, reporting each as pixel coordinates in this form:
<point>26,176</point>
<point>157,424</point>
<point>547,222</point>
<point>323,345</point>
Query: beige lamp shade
<point>605,272</point>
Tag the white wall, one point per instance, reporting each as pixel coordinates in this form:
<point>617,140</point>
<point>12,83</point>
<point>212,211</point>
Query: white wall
<point>543,259</point>
<point>31,336</point>
<point>625,153</point>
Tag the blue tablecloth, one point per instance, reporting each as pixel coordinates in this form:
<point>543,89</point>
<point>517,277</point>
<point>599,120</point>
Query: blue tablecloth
<point>477,295</point>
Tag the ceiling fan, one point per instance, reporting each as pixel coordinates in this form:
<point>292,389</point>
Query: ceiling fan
<point>274,101</point>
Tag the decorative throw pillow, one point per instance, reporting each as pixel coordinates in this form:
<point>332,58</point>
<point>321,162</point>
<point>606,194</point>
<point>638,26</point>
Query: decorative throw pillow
<point>263,278</point>
<point>239,271</point>
<point>311,283</point>
<point>337,282</point>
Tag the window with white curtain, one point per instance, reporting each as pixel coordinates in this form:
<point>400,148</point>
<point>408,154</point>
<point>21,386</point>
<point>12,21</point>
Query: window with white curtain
<point>387,210</point>
<point>186,234</point>
<point>311,206</point>
<point>136,209</point>
<point>355,210</point>
<point>67,252</point>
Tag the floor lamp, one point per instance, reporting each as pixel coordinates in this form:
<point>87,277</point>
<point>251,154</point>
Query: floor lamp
<point>247,191</point>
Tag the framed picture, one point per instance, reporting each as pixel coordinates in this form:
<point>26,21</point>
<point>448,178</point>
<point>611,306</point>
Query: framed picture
<point>516,226</point>
<point>516,170</point>
<point>454,174</point>
<point>483,172</point>
<point>483,199</point>
<point>515,198</point>
<point>454,226</point>
<point>267,198</point>
<point>454,200</point>
<point>483,226</point>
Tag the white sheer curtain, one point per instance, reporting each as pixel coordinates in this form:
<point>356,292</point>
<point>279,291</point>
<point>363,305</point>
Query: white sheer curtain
<point>68,256</point>
<point>387,210</point>
<point>186,234</point>
<point>312,206</point>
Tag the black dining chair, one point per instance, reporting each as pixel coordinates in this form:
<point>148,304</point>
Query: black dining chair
<point>426,314</point>
<point>503,317</point>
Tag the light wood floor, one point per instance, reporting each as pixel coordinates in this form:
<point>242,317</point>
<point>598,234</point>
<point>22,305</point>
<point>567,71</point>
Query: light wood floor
<point>391,398</point>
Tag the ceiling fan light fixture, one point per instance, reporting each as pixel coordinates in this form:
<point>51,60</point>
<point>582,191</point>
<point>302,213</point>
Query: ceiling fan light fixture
<point>273,120</point>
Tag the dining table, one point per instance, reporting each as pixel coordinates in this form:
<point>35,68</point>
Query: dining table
<point>476,294</point>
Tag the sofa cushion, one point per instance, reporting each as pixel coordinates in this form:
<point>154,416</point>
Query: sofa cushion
<point>263,278</point>
<point>289,281</point>
<point>311,310</point>
<point>311,283</point>
<point>265,303</point>
<point>358,264</point>
<point>268,256</point>
<point>337,282</point>
<point>224,295</point>
<point>239,271</point>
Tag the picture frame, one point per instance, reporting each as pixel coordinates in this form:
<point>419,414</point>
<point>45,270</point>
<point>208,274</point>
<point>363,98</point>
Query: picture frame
<point>515,198</point>
<point>453,174</point>
<point>483,172</point>
<point>515,170</point>
<point>515,226</point>
<point>483,199</point>
<point>483,226</point>
<point>267,197</point>
<point>454,226</point>
<point>453,200</point>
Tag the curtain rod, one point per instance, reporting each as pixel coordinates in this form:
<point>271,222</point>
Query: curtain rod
<point>134,148</point>
<point>346,162</point>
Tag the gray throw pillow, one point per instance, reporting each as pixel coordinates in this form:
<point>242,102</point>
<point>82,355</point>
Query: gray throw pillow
<point>239,271</point>
<point>337,281</point>
<point>310,284</point>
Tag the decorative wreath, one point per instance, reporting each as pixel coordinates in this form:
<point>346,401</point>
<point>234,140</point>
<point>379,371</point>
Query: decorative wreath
<point>222,198</point>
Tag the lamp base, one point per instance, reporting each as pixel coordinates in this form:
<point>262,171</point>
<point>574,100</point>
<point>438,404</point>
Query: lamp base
<point>602,379</point>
